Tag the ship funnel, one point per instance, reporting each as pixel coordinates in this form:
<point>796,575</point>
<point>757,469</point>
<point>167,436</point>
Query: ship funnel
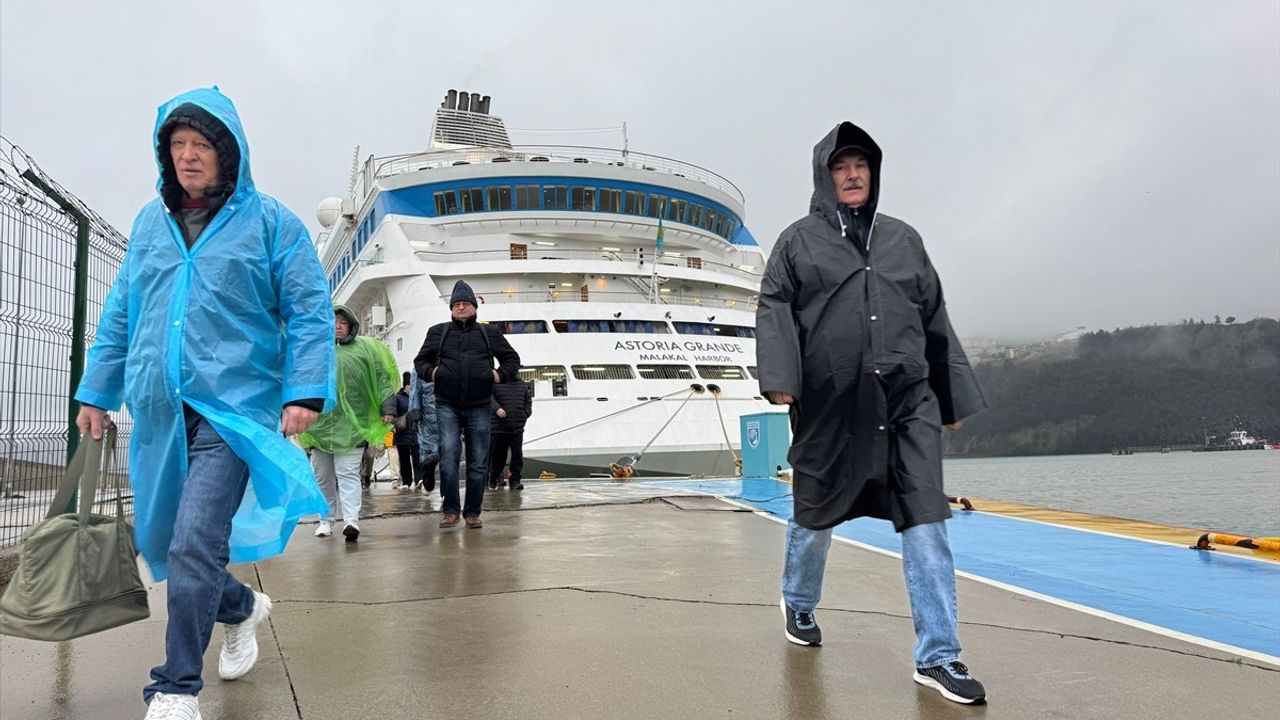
<point>464,101</point>
<point>475,103</point>
<point>484,104</point>
<point>451,100</point>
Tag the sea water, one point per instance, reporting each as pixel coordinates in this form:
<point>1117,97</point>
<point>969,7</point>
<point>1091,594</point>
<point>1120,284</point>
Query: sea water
<point>1235,492</point>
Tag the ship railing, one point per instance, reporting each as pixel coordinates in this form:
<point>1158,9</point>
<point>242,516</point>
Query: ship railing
<point>387,166</point>
<point>575,294</point>
<point>535,252</point>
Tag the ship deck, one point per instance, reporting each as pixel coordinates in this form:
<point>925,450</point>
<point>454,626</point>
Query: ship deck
<point>594,599</point>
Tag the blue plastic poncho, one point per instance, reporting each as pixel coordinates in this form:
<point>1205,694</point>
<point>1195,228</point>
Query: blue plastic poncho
<point>234,327</point>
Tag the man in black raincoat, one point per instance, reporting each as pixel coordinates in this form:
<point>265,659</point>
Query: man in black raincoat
<point>853,335</point>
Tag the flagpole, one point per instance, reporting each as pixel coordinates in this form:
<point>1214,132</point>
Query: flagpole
<point>657,254</point>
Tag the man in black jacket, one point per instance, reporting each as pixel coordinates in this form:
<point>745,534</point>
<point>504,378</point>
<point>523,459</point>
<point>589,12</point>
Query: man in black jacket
<point>853,334</point>
<point>512,405</point>
<point>458,357</point>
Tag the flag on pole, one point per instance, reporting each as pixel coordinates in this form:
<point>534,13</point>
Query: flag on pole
<point>659,243</point>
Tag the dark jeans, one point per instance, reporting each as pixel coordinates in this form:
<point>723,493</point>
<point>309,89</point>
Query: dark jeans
<point>201,591</point>
<point>499,444</point>
<point>474,423</point>
<point>409,468</point>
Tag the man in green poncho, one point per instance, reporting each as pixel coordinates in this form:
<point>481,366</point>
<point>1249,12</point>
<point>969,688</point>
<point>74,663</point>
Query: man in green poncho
<point>367,376</point>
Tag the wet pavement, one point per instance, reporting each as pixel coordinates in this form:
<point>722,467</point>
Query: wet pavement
<point>620,600</point>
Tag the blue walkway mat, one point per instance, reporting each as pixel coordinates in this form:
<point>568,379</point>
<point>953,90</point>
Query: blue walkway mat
<point>1214,596</point>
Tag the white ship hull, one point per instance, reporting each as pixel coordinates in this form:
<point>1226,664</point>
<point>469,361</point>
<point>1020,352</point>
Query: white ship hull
<point>560,245</point>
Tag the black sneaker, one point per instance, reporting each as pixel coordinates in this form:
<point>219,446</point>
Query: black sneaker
<point>954,682</point>
<point>802,628</point>
<point>351,532</point>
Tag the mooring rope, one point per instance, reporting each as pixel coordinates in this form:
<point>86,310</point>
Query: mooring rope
<point>606,416</point>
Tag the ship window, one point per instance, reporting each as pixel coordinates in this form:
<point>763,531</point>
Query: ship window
<point>446,202</point>
<point>640,327</point>
<point>527,197</point>
<point>634,202</point>
<point>656,203</point>
<point>472,199</point>
<point>555,197</point>
<point>720,372</point>
<point>602,372</point>
<point>723,227</point>
<point>676,209</point>
<point>520,327</point>
<point>665,372</point>
<point>610,200</point>
<point>695,214</point>
<point>500,198</point>
<point>709,220</point>
<point>542,372</point>
<point>755,371</point>
<point>584,198</point>
<point>697,328</point>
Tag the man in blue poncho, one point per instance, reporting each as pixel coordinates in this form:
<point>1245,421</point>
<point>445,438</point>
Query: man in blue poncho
<point>218,334</point>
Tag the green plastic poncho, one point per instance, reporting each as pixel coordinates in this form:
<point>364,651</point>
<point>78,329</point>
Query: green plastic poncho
<point>367,375</point>
<point>235,327</point>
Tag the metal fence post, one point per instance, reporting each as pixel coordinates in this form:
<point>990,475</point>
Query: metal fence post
<point>78,310</point>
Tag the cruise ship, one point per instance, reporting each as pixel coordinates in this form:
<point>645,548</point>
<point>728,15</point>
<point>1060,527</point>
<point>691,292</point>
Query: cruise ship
<point>627,282</point>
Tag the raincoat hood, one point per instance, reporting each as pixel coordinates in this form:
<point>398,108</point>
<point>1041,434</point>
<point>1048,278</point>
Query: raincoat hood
<point>354,324</point>
<point>842,136</point>
<point>212,114</point>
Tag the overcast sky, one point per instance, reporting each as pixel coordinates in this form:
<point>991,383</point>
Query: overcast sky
<point>1095,164</point>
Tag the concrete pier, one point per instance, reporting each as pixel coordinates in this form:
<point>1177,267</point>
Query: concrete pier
<point>606,600</point>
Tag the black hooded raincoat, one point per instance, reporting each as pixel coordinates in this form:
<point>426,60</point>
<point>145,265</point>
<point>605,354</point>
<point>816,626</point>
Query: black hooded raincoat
<point>851,322</point>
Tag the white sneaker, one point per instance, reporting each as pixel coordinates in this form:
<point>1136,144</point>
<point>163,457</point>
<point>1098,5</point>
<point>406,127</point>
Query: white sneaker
<point>240,650</point>
<point>173,707</point>
<point>324,529</point>
<point>395,484</point>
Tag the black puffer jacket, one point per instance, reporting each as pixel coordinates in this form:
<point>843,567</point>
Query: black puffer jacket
<point>516,400</point>
<point>460,356</point>
<point>406,422</point>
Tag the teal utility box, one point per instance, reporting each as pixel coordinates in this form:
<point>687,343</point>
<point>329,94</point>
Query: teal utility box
<point>766,437</point>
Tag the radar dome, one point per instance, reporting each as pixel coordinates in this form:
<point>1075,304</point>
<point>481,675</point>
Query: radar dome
<point>328,211</point>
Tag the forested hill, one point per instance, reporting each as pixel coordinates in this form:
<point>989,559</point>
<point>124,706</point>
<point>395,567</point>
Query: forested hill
<point>1136,386</point>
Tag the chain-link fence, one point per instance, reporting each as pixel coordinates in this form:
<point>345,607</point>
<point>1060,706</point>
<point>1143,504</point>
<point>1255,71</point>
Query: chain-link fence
<point>57,261</point>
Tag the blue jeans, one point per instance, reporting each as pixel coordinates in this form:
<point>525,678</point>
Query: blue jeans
<point>475,422</point>
<point>931,583</point>
<point>201,591</point>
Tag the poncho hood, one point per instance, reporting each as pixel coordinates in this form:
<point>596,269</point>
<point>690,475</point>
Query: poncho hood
<point>843,135</point>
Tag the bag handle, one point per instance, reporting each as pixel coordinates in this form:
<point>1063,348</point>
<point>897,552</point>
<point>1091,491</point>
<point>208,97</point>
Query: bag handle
<point>83,472</point>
